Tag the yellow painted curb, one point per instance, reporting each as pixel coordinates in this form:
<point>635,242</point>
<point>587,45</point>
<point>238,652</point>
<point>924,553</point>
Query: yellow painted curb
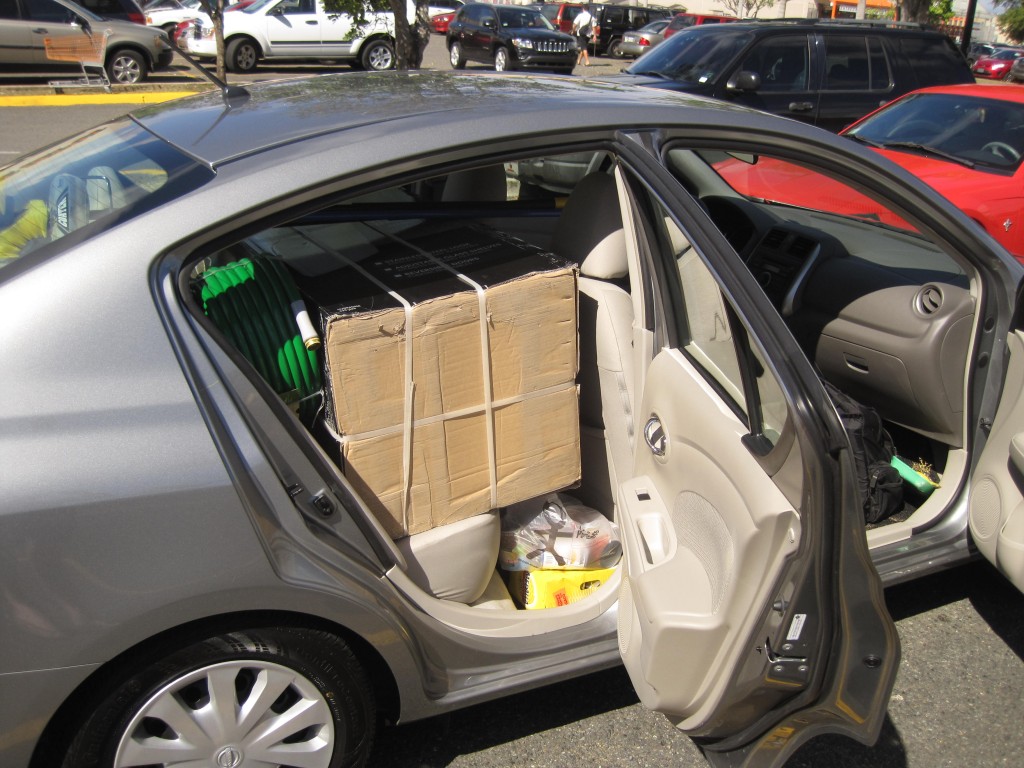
<point>68,99</point>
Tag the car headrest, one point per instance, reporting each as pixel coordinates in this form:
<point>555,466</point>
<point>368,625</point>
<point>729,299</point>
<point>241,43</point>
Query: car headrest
<point>476,185</point>
<point>589,231</point>
<point>67,206</point>
<point>106,192</point>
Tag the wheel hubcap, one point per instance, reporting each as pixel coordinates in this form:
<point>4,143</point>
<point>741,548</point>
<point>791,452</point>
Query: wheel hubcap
<point>126,70</point>
<point>230,715</point>
<point>380,58</point>
<point>229,757</point>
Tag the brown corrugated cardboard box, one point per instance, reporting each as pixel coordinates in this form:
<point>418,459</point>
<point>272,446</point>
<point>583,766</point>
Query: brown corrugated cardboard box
<point>432,464</point>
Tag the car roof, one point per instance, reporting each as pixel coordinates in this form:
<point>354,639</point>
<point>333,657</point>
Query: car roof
<point>818,26</point>
<point>977,90</point>
<point>280,113</point>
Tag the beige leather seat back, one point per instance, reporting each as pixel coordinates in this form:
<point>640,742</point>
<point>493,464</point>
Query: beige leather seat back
<point>590,233</point>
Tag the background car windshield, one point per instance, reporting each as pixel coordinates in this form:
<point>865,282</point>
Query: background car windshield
<point>522,18</point>
<point>691,56</point>
<point>981,131</point>
<point>778,181</point>
<point>112,172</point>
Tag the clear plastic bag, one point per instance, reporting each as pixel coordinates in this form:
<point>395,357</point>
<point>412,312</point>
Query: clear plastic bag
<point>557,532</point>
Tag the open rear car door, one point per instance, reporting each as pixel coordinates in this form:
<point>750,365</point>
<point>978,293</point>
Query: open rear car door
<point>751,615</point>
<point>997,485</point>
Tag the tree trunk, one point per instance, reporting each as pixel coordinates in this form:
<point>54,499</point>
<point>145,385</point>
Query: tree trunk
<point>410,39</point>
<point>915,10</point>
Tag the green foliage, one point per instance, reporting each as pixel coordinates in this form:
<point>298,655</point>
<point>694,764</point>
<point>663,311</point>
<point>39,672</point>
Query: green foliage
<point>357,9</point>
<point>940,11</point>
<point>1012,23</point>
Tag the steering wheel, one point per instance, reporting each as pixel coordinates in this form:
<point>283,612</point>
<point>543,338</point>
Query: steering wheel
<point>1003,150</point>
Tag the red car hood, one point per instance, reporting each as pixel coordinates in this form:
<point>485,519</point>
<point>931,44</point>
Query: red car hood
<point>960,184</point>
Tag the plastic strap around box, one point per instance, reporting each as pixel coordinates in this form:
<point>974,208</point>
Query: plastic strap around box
<point>485,357</point>
<point>409,383</point>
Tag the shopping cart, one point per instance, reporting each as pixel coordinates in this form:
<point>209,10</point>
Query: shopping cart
<point>88,49</point>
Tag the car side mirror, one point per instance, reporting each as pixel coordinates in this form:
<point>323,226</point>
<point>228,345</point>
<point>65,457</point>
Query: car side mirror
<point>744,81</point>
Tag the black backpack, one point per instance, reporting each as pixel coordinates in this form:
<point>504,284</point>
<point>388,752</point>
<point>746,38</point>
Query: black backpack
<point>881,486</point>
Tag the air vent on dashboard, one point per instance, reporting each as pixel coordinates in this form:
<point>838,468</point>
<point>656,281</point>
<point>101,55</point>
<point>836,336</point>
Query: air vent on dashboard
<point>774,238</point>
<point>928,300</point>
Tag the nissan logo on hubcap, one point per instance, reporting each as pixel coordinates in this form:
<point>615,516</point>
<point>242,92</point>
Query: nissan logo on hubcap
<point>229,757</point>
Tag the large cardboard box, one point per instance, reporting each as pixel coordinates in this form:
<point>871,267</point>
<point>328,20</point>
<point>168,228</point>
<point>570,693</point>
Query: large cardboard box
<point>489,415</point>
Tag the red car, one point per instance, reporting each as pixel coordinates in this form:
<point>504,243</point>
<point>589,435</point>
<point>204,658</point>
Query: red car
<point>439,22</point>
<point>997,66</point>
<point>966,141</point>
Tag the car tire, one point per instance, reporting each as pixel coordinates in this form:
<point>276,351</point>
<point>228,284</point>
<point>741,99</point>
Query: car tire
<point>126,67</point>
<point>242,55</point>
<point>377,55</point>
<point>304,671</point>
<point>457,56</point>
<point>501,59</point>
<point>614,49</point>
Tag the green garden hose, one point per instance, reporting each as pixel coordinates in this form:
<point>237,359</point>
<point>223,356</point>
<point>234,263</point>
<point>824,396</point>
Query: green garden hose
<point>254,302</point>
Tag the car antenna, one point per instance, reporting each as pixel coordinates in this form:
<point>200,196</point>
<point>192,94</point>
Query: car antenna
<point>233,95</point>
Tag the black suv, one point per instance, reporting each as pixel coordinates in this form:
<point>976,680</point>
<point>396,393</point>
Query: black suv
<point>510,37</point>
<point>611,22</point>
<point>822,72</point>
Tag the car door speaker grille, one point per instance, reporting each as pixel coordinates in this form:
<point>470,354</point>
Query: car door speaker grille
<point>701,529</point>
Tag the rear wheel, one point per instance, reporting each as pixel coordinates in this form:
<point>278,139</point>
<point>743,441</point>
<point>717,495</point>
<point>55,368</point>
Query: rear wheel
<point>241,55</point>
<point>262,696</point>
<point>377,55</point>
<point>615,49</point>
<point>457,56</point>
<point>126,67</point>
<point>501,61</point>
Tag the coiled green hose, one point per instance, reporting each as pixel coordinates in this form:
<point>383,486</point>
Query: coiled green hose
<point>250,301</point>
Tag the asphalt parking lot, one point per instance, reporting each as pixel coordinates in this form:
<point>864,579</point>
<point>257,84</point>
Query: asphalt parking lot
<point>957,700</point>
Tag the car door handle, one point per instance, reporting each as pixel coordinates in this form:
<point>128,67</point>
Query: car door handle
<point>654,435</point>
<point>312,23</point>
<point>801,106</point>
<point>41,31</point>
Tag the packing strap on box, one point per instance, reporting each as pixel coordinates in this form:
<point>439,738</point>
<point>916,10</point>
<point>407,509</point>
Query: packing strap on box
<point>409,416</point>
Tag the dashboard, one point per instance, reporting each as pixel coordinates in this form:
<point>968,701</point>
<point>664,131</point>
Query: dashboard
<point>883,314</point>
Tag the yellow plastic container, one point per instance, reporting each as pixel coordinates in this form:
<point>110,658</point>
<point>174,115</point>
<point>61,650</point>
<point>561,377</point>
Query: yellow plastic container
<point>555,588</point>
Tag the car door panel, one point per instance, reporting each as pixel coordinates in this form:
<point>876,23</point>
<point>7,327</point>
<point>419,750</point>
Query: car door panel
<point>293,28</point>
<point>750,607</point>
<point>788,87</point>
<point>997,487</point>
<point>698,519</point>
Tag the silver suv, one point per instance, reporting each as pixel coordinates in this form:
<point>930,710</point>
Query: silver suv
<point>48,35</point>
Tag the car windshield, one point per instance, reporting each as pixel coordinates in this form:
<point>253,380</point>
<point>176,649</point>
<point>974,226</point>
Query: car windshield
<point>781,182</point>
<point>654,27</point>
<point>973,131</point>
<point>1009,53</point>
<point>692,56</point>
<point>522,18</point>
<point>88,183</point>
